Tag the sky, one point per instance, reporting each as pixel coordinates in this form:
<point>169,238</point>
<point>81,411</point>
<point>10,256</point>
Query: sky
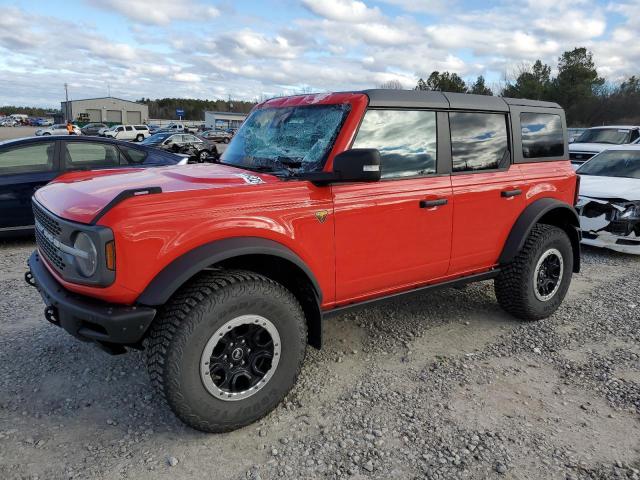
<point>255,49</point>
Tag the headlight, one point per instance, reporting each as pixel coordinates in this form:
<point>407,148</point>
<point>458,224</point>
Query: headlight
<point>632,212</point>
<point>87,265</point>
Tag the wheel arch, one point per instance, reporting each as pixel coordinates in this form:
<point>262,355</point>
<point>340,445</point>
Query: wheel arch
<point>260,255</point>
<point>547,211</point>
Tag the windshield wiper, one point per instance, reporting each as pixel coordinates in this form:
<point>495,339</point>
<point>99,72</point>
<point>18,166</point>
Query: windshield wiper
<point>289,162</point>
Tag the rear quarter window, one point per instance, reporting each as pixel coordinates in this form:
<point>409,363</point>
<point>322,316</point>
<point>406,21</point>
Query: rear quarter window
<point>542,135</point>
<point>479,141</point>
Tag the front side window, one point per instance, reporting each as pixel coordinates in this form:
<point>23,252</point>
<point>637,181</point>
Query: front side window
<point>32,158</point>
<point>541,135</point>
<point>91,155</point>
<point>479,141</point>
<point>407,141</point>
<point>286,140</point>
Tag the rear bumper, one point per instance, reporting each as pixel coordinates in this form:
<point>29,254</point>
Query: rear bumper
<point>85,318</point>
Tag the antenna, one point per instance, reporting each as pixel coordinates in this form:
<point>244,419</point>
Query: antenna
<point>66,104</point>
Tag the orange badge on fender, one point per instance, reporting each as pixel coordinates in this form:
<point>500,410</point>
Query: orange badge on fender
<point>322,215</point>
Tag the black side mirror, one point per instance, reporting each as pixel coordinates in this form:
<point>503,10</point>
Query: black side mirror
<point>357,165</point>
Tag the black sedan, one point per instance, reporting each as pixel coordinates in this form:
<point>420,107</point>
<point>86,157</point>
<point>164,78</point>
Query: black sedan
<point>197,148</point>
<point>27,164</point>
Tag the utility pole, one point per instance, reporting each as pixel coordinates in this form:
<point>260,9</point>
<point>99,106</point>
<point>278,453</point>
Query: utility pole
<point>66,103</point>
<point>109,89</point>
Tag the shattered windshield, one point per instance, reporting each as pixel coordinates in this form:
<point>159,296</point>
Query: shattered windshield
<point>614,136</point>
<point>613,163</point>
<point>286,140</point>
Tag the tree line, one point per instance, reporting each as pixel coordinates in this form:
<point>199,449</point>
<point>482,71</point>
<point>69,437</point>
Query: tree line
<point>587,98</point>
<point>165,108</point>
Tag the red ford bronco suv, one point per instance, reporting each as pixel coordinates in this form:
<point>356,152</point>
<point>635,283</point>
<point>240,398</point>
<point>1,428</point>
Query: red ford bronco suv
<point>223,273</point>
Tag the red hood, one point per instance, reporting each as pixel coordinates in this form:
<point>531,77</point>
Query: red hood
<point>80,197</point>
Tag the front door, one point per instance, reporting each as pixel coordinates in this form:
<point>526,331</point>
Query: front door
<point>23,169</point>
<point>394,233</point>
<point>487,189</point>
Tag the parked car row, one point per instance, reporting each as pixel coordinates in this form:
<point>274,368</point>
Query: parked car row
<point>17,120</point>
<point>595,140</point>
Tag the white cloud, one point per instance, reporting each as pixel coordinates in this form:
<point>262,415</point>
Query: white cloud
<point>187,77</point>
<point>159,12</point>
<point>348,11</point>
<point>344,44</point>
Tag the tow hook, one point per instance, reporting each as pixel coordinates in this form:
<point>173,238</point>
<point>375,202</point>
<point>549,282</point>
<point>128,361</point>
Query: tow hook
<point>51,314</point>
<point>28,277</point>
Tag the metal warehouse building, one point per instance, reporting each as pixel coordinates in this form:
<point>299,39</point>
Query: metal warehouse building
<point>223,120</point>
<point>106,110</point>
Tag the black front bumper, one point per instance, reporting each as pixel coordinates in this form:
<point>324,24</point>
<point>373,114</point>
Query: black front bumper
<point>86,318</point>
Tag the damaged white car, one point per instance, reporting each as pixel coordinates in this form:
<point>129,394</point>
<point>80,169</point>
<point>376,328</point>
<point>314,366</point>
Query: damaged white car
<point>609,201</point>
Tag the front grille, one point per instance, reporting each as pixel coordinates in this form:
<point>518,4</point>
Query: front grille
<point>45,220</point>
<point>49,250</point>
<point>52,226</point>
<point>620,227</point>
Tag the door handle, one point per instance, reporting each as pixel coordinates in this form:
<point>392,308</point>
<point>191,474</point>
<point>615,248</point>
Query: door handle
<point>510,193</point>
<point>433,203</point>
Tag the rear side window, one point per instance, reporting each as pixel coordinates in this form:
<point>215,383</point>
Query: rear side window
<point>141,127</point>
<point>479,141</point>
<point>91,155</point>
<point>541,135</point>
<point>32,158</point>
<point>133,156</point>
<point>407,141</point>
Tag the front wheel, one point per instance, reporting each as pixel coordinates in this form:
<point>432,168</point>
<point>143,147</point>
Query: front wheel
<point>227,349</point>
<point>203,156</point>
<point>534,284</point>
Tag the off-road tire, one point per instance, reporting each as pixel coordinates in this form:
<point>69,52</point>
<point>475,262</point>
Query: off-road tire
<point>178,336</point>
<point>514,286</point>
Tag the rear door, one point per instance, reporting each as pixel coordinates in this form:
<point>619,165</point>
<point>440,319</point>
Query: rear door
<point>394,233</point>
<point>23,169</point>
<point>487,188</point>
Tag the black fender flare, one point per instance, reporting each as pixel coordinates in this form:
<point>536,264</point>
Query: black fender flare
<point>544,210</point>
<point>180,270</point>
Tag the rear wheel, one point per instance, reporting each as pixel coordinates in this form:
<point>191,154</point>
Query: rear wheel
<point>534,284</point>
<point>140,138</point>
<point>226,349</point>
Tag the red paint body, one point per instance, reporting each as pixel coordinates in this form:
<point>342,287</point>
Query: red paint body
<point>374,241</point>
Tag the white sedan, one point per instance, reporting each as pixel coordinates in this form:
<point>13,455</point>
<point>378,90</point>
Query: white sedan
<point>57,129</point>
<point>609,199</point>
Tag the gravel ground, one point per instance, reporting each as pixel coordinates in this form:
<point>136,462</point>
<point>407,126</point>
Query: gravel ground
<point>7,133</point>
<point>439,386</point>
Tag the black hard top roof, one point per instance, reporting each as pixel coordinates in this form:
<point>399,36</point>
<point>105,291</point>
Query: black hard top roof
<point>461,101</point>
